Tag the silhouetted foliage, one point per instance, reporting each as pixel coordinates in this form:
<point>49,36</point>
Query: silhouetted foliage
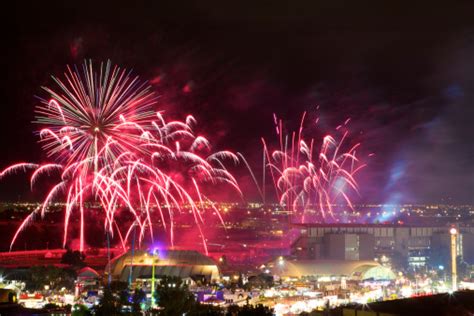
<point>249,310</point>
<point>74,258</point>
<point>138,297</point>
<point>118,286</point>
<point>108,305</point>
<point>50,306</point>
<point>80,310</point>
<point>206,310</point>
<point>173,296</point>
<point>55,278</point>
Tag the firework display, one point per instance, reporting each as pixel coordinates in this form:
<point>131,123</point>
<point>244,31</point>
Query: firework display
<point>109,147</point>
<point>310,179</point>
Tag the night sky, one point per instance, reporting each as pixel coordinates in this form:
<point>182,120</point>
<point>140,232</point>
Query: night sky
<point>403,73</point>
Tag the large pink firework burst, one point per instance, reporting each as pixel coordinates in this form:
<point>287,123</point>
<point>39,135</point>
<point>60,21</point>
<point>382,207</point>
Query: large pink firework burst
<point>311,177</point>
<point>111,149</point>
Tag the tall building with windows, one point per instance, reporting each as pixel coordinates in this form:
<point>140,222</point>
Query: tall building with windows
<point>348,246</point>
<point>411,246</point>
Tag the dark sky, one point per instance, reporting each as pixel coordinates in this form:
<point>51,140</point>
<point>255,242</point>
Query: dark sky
<point>404,73</point>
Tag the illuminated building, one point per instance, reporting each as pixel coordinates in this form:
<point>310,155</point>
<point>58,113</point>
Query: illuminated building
<point>348,246</point>
<point>179,263</point>
<point>413,246</point>
<point>329,269</point>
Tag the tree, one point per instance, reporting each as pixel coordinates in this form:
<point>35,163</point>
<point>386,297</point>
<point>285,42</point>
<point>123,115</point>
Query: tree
<point>118,286</point>
<point>73,258</point>
<point>55,278</point>
<point>80,310</point>
<point>138,298</point>
<point>50,306</point>
<point>108,305</point>
<point>206,310</point>
<point>173,296</point>
<point>249,310</point>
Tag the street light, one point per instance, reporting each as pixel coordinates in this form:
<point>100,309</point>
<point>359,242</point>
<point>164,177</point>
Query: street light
<point>281,261</point>
<point>454,275</point>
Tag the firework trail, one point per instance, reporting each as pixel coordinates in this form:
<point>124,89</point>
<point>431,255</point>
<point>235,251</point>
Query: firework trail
<point>110,148</point>
<point>309,178</point>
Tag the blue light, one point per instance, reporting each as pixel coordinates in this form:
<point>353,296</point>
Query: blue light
<point>158,249</point>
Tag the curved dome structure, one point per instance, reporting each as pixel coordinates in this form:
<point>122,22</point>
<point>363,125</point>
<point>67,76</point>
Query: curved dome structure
<point>179,263</point>
<point>354,269</point>
<point>373,272</point>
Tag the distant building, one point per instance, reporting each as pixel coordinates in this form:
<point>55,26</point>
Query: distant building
<point>87,279</point>
<point>329,269</point>
<point>179,263</point>
<point>348,246</point>
<point>468,247</point>
<point>412,246</point>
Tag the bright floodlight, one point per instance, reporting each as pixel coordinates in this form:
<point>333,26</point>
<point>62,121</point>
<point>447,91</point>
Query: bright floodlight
<point>453,231</point>
<point>281,261</point>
